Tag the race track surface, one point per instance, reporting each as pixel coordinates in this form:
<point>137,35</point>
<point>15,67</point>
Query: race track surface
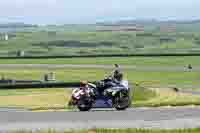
<point>137,68</point>
<point>167,118</point>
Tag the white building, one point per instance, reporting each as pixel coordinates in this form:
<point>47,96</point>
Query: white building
<point>6,37</point>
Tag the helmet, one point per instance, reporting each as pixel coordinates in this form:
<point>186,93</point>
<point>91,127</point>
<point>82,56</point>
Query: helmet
<point>116,65</point>
<point>83,83</point>
<point>116,73</point>
<point>119,76</point>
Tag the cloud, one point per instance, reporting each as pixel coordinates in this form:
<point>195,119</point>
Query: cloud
<point>69,11</point>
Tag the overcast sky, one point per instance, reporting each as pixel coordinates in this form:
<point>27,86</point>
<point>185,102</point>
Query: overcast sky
<point>90,11</point>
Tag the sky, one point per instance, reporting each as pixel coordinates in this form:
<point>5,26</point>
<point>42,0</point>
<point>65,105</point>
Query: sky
<point>91,11</point>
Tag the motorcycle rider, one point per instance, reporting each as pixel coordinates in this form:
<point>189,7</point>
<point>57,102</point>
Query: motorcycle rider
<point>84,88</point>
<point>84,85</point>
<point>117,75</point>
<point>114,78</point>
<point>87,87</point>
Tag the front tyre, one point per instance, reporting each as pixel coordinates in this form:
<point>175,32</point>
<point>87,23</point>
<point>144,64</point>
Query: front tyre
<point>121,100</point>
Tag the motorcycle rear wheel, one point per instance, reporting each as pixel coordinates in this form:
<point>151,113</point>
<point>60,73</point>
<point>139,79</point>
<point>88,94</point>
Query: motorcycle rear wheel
<point>84,104</point>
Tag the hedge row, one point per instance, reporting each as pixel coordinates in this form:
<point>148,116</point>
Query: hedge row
<point>107,55</point>
<point>40,85</point>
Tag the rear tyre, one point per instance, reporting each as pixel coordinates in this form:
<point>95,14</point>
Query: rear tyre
<point>84,104</point>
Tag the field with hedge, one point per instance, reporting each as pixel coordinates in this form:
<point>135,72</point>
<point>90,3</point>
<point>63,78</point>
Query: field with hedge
<point>44,42</point>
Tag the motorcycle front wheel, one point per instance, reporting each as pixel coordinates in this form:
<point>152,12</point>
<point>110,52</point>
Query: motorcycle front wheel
<point>121,100</point>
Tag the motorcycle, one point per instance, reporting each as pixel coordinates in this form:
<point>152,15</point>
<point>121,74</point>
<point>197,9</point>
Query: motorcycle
<point>102,94</point>
<point>82,98</point>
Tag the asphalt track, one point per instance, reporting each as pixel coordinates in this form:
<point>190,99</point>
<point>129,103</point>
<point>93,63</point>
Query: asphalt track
<point>90,66</point>
<point>165,118</point>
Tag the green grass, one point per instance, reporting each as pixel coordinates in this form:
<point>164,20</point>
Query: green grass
<point>123,42</point>
<point>46,99</point>
<point>142,97</point>
<point>121,131</point>
<point>135,61</point>
<point>157,78</point>
<point>167,97</point>
<point>142,94</point>
<point>35,98</point>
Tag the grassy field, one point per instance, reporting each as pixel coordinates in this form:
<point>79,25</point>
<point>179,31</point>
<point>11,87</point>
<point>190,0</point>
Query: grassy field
<point>45,42</point>
<point>135,61</point>
<point>121,131</point>
<point>57,98</point>
<point>62,42</point>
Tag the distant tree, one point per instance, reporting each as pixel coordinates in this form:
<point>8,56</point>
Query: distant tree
<point>139,46</point>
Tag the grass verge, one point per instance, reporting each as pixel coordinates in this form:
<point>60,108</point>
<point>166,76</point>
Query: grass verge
<point>35,98</point>
<point>57,99</point>
<point>168,97</point>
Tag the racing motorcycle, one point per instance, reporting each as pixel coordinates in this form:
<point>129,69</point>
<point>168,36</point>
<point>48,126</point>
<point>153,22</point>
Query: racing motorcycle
<point>102,94</point>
